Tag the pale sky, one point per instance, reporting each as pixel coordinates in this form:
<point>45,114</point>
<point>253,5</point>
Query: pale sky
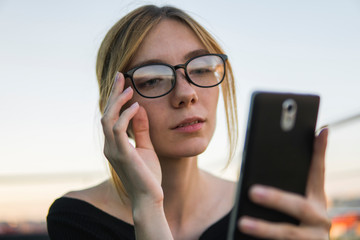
<point>48,95</point>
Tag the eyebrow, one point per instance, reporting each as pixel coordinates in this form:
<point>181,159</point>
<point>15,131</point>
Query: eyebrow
<point>195,53</point>
<point>187,56</point>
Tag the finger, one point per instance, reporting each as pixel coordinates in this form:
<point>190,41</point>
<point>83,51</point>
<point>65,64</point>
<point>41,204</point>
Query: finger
<point>264,229</point>
<point>316,178</point>
<point>118,102</point>
<point>290,203</point>
<point>268,230</point>
<point>140,127</point>
<point>111,115</point>
<point>120,127</point>
<point>116,88</point>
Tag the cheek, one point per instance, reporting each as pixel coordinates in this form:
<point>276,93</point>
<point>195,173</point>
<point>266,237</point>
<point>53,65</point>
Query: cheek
<point>210,104</point>
<point>156,115</point>
<point>211,101</point>
<point>158,128</point>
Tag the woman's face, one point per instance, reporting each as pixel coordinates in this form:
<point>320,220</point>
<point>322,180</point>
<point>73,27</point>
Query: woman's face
<point>183,121</point>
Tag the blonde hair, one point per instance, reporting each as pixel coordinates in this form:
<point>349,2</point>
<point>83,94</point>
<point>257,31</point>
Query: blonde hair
<point>121,43</point>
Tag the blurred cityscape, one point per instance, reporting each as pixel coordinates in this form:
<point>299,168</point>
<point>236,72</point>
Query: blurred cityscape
<point>23,230</point>
<point>345,215</point>
<point>25,200</point>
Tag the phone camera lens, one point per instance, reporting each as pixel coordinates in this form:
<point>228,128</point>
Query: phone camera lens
<point>290,107</point>
<point>288,115</point>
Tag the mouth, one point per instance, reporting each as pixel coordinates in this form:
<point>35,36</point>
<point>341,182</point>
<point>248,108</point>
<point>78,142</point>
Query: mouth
<point>187,124</point>
<point>190,124</point>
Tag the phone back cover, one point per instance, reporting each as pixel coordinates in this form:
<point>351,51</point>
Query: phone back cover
<point>273,156</point>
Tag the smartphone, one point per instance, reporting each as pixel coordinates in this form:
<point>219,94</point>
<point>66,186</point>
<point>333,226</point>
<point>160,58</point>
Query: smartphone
<point>277,152</point>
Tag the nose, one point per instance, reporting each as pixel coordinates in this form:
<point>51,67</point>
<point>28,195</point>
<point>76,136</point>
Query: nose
<point>184,94</point>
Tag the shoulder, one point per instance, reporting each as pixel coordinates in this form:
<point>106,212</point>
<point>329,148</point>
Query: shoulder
<point>82,215</point>
<point>71,218</point>
<point>104,197</point>
<point>75,202</point>
<point>89,194</point>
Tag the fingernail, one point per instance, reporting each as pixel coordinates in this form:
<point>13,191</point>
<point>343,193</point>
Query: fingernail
<point>134,105</point>
<point>259,192</point>
<point>320,130</point>
<point>128,89</point>
<point>117,76</point>
<point>247,224</point>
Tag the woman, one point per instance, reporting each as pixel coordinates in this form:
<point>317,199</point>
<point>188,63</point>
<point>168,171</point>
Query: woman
<point>159,74</point>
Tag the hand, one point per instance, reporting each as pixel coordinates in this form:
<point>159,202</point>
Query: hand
<point>137,167</point>
<point>310,210</point>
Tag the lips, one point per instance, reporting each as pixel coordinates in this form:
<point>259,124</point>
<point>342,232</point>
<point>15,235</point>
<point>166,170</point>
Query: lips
<point>189,122</point>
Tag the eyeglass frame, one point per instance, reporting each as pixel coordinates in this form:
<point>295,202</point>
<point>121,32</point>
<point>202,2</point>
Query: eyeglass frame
<point>130,73</point>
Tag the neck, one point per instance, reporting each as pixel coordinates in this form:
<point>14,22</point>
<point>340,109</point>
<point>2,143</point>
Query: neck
<point>181,179</point>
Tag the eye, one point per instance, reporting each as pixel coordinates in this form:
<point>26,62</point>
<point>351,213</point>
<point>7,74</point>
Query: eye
<point>199,71</point>
<point>151,83</point>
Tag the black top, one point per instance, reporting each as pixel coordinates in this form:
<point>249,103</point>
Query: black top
<point>70,218</point>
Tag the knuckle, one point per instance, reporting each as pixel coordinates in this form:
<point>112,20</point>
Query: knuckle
<point>321,218</point>
<point>107,152</point>
<point>104,119</point>
<point>326,222</point>
<point>324,235</point>
<point>117,129</point>
<point>307,210</point>
<point>317,216</point>
<point>291,233</point>
<point>111,156</point>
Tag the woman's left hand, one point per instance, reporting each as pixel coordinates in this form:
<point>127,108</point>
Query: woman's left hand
<point>310,210</point>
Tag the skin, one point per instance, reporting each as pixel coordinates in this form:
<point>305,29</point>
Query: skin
<point>167,193</point>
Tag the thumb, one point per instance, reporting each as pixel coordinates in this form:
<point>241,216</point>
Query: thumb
<point>140,127</point>
<point>316,179</point>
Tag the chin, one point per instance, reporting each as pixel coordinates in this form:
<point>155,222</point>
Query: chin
<point>188,149</point>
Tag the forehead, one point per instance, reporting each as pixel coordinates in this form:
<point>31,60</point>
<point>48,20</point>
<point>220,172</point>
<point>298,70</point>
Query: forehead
<point>169,41</point>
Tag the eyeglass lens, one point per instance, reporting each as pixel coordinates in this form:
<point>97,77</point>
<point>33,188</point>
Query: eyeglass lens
<point>156,80</point>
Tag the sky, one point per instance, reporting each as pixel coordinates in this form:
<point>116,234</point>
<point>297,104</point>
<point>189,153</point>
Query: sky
<point>48,95</point>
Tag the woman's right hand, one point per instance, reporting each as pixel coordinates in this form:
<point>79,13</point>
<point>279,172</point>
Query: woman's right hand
<point>137,167</point>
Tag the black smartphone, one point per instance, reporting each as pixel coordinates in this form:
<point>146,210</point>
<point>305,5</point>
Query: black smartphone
<point>277,152</point>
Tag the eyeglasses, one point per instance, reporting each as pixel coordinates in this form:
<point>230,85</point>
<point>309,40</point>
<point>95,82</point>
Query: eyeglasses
<point>158,79</point>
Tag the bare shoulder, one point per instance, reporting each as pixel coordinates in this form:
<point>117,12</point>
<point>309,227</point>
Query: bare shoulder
<point>104,197</point>
<point>89,194</point>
